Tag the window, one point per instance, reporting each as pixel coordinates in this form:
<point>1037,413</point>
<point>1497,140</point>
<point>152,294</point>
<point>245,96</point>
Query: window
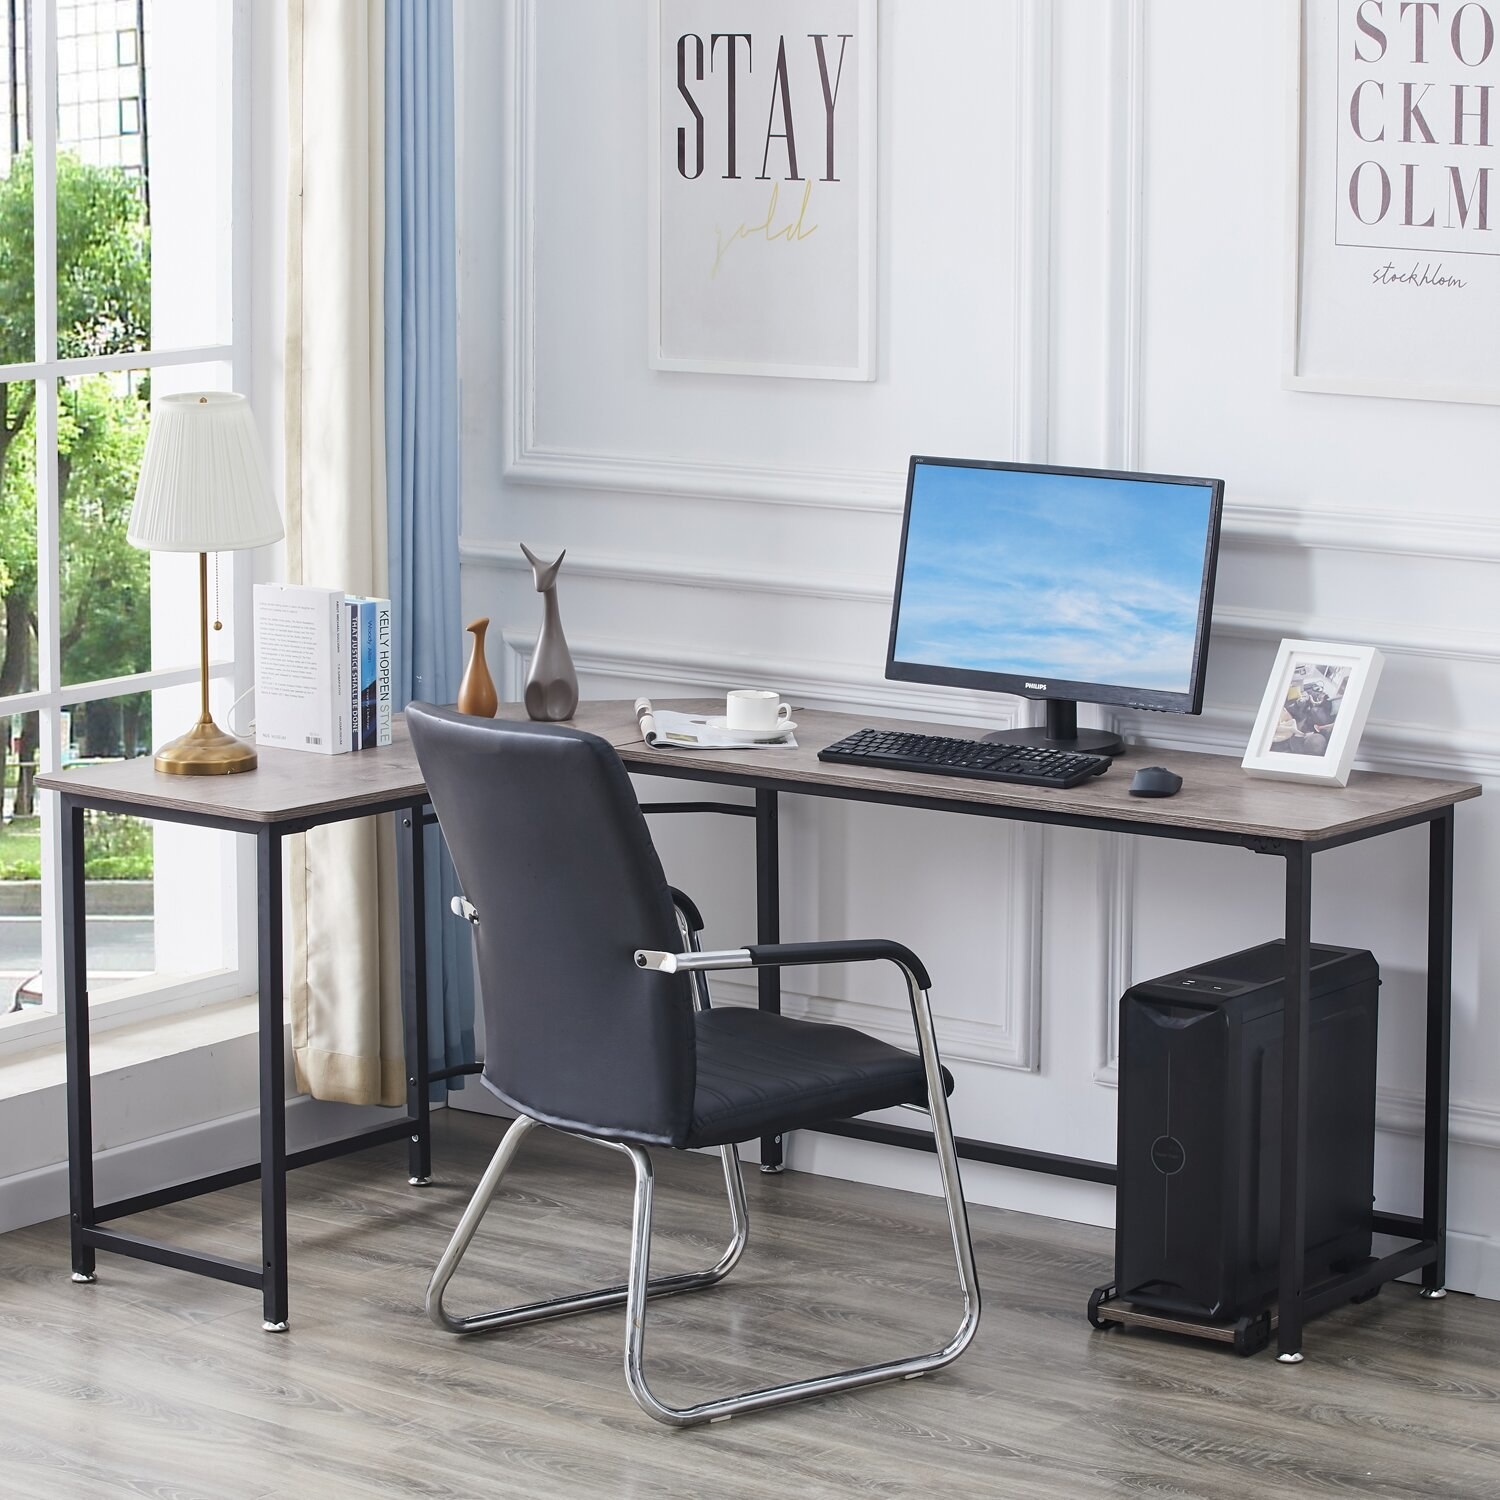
<point>119,263</point>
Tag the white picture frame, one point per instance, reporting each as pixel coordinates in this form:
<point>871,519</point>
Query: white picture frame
<point>1313,713</point>
<point>1347,330</point>
<point>768,301</point>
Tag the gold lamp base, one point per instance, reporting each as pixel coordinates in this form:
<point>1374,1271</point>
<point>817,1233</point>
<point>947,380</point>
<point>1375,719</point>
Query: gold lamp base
<point>205,750</point>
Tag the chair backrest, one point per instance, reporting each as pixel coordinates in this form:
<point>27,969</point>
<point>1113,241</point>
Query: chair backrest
<point>552,849</point>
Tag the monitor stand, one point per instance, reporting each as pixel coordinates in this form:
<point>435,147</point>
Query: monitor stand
<point>1061,732</point>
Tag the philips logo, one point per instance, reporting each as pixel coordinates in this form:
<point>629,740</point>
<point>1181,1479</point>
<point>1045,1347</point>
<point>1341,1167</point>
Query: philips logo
<point>1040,687</point>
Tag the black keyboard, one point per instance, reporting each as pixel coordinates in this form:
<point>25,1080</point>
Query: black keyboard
<point>1030,765</point>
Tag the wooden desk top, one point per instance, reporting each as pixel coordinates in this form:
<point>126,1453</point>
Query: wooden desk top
<point>1217,797</point>
<point>286,786</point>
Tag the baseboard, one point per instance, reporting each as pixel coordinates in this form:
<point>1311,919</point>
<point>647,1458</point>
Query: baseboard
<point>214,1146</point>
<point>1474,1264</point>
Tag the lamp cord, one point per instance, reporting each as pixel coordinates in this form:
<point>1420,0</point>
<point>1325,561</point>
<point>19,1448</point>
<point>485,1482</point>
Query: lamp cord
<point>229,717</point>
<point>218,623</point>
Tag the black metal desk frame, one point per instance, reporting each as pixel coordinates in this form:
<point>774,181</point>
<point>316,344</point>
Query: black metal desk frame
<point>1426,1233</point>
<point>89,1221</point>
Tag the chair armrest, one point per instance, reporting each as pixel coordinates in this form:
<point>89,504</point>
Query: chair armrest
<point>770,955</point>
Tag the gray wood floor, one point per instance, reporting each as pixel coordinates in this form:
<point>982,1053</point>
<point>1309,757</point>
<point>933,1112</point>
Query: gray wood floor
<point>153,1383</point>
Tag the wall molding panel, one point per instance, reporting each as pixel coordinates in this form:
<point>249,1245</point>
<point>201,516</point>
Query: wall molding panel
<point>527,461</point>
<point>1117,877</point>
<point>517,413</point>
<point>1010,1042</point>
<point>1031,250</point>
<point>1449,643</point>
<point>1400,1112</point>
<point>880,492</point>
<point>1452,643</point>
<point>1449,537</point>
<point>1429,535</point>
<point>623,568</point>
<point>1125,269</point>
<point>820,683</point>
<point>1386,746</point>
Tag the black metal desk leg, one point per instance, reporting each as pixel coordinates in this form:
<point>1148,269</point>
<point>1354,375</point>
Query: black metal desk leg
<point>76,1019</point>
<point>1439,1045</point>
<point>272,1081</point>
<point>410,836</point>
<point>768,930</point>
<point>1294,1047</point>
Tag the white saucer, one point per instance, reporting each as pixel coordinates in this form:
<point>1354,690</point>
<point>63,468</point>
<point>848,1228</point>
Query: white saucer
<point>758,736</point>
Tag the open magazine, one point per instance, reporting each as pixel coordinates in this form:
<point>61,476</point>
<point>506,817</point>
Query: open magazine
<point>665,729</point>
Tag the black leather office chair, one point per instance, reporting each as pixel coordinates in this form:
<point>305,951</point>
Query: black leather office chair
<point>598,1023</point>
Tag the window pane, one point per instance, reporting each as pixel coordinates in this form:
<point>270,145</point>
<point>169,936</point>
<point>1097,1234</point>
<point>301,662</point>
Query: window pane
<point>18,646</point>
<point>119,896</point>
<point>20,869</point>
<point>105,619</point>
<point>143,177</point>
<point>119,854</point>
<point>17,299</point>
<point>107,729</point>
<point>159,896</point>
<point>124,609</point>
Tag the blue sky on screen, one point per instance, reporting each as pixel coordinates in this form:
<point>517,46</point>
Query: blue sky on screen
<point>1053,576</point>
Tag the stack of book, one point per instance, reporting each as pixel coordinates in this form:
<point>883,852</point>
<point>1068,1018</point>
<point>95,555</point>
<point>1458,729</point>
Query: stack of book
<point>323,673</point>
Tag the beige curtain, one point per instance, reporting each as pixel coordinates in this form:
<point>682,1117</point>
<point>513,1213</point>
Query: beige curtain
<point>345,980</point>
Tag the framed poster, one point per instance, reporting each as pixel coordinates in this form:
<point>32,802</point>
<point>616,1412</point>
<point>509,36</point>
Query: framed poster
<point>762,187</point>
<point>1395,217</point>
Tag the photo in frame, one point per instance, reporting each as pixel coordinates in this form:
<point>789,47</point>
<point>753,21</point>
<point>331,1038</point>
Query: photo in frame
<point>1394,215</point>
<point>761,215</point>
<point>1313,713</point>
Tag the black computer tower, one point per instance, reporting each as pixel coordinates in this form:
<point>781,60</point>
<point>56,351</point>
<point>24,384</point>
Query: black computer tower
<point>1198,1206</point>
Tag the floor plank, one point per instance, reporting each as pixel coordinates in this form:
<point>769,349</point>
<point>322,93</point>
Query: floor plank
<point>151,1383</point>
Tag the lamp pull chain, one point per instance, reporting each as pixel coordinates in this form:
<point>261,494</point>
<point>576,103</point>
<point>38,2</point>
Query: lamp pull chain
<point>218,623</point>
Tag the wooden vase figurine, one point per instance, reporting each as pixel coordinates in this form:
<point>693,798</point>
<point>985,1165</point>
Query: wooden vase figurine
<point>552,685</point>
<point>476,693</point>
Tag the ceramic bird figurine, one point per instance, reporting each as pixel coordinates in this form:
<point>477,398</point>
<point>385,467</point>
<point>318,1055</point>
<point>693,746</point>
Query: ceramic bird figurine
<point>552,684</point>
<point>476,693</point>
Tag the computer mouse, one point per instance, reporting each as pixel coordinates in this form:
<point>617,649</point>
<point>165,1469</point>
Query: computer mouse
<point>1155,781</point>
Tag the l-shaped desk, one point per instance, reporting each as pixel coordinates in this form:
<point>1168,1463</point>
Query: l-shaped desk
<point>1218,804</point>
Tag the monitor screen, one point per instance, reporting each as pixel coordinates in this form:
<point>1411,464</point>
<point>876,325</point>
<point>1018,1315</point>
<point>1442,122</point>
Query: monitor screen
<point>1056,582</point>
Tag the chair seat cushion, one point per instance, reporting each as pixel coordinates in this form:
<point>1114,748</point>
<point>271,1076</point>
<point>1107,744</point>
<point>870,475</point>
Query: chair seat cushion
<point>763,1074</point>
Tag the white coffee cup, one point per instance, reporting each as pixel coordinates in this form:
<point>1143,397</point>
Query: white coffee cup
<point>757,710</point>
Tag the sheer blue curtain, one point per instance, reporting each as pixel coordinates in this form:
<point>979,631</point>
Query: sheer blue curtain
<point>421,424</point>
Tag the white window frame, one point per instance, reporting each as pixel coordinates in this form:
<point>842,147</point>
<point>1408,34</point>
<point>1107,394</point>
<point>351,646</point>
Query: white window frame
<point>152,995</point>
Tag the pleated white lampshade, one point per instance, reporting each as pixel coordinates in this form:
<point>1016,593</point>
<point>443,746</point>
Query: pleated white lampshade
<point>203,484</point>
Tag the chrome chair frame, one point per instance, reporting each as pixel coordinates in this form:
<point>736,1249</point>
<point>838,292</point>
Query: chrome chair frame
<point>641,1287</point>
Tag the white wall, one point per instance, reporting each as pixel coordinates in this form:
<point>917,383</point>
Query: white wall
<point>1081,259</point>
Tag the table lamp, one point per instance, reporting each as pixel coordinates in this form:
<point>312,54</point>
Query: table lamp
<point>203,488</point>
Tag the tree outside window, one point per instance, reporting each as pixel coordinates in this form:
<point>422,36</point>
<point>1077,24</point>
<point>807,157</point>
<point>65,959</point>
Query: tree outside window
<point>104,307</point>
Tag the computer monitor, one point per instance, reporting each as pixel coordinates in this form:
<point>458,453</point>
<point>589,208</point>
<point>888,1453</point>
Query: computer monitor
<point>1064,585</point>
